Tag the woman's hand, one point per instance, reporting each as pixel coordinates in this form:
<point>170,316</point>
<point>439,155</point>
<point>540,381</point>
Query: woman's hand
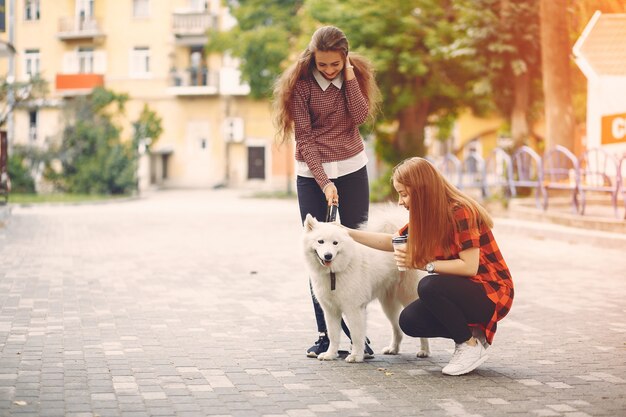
<point>349,69</point>
<point>332,197</point>
<point>399,254</point>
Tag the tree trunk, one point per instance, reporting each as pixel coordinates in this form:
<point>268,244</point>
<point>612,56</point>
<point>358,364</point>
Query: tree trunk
<point>519,113</point>
<point>555,51</point>
<point>409,140</point>
<point>411,130</point>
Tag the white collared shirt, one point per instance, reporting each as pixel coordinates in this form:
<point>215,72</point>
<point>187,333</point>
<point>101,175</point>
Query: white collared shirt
<point>324,83</point>
<point>333,169</point>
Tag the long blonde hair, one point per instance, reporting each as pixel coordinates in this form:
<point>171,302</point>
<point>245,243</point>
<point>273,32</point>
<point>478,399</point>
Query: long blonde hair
<point>326,38</point>
<point>432,199</point>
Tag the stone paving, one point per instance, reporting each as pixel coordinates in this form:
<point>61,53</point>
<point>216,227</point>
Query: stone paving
<point>196,303</point>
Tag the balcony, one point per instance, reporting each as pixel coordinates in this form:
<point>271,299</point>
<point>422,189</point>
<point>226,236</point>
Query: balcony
<point>78,84</point>
<point>78,28</point>
<point>190,28</point>
<point>193,82</point>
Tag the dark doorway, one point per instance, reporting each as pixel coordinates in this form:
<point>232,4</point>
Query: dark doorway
<point>256,162</point>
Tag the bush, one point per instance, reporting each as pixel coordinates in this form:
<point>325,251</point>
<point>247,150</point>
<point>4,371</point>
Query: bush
<point>21,180</point>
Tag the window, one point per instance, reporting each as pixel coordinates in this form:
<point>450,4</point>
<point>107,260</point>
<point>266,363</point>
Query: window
<point>84,9</point>
<point>31,63</point>
<point>31,9</point>
<point>199,5</point>
<point>85,61</point>
<point>32,125</point>
<point>141,8</point>
<point>140,62</point>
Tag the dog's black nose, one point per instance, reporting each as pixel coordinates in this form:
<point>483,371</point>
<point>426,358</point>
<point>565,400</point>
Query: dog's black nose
<point>328,256</point>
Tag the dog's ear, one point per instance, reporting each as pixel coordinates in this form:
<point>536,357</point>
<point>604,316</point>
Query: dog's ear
<point>309,222</point>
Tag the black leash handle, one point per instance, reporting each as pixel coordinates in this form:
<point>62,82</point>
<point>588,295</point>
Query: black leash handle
<point>331,213</point>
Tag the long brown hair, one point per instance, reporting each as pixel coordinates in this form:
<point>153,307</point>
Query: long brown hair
<point>432,199</point>
<point>326,38</point>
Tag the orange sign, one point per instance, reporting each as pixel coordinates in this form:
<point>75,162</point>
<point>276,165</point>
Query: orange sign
<point>614,129</point>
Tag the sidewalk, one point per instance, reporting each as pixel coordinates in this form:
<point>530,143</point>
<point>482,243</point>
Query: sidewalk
<point>196,303</point>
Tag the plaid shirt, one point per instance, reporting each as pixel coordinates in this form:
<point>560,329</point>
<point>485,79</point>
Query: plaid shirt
<point>326,124</point>
<point>493,273</point>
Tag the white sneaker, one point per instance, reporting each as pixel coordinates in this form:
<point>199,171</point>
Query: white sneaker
<point>465,359</point>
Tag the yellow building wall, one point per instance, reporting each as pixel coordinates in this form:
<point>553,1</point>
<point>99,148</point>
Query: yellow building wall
<point>193,132</point>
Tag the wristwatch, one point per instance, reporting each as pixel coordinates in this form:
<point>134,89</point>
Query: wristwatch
<point>430,267</point>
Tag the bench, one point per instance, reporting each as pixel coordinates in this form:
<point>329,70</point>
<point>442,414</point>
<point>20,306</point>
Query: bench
<point>472,174</point>
<point>598,173</point>
<point>560,171</point>
<point>527,172</point>
<point>498,175</point>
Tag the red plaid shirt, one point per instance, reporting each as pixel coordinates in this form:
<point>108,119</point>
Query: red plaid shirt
<point>493,273</point>
<point>326,123</point>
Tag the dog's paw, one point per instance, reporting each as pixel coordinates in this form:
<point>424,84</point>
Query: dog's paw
<point>353,357</point>
<point>391,350</point>
<point>327,356</point>
<point>423,353</point>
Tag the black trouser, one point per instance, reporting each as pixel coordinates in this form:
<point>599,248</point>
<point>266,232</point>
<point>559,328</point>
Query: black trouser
<point>445,306</point>
<point>353,190</point>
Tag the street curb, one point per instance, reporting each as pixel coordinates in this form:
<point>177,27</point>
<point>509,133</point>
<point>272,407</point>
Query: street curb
<point>546,230</point>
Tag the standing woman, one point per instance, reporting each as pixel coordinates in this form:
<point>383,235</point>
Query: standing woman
<point>323,98</point>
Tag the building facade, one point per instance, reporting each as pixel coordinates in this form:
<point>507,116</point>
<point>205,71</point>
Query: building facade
<point>214,134</point>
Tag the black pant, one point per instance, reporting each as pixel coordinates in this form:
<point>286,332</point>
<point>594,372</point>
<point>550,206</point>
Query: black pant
<point>445,306</point>
<point>353,190</point>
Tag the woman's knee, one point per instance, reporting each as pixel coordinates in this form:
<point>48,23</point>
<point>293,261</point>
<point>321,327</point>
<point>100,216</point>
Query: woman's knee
<point>405,321</point>
<point>427,287</point>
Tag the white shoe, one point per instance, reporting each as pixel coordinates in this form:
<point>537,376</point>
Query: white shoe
<point>465,359</point>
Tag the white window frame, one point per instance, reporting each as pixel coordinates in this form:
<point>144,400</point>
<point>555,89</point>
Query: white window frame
<point>32,63</point>
<point>140,62</point>
<point>32,8</point>
<point>85,9</point>
<point>141,9</point>
<point>199,5</point>
<point>86,60</point>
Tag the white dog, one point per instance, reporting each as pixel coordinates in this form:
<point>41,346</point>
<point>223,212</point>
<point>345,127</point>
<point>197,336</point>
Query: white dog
<point>359,274</point>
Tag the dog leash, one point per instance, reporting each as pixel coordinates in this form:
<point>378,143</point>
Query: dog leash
<point>331,216</point>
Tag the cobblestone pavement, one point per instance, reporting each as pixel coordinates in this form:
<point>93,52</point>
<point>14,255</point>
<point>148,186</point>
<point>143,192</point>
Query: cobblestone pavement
<point>194,303</point>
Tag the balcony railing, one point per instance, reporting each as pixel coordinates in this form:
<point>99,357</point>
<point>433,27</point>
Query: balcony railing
<point>192,23</point>
<point>193,81</point>
<point>79,28</point>
<point>78,84</point>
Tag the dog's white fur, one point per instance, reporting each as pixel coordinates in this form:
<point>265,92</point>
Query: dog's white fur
<point>361,274</point>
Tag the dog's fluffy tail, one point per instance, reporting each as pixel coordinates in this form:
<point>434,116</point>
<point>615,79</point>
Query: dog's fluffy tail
<point>386,218</point>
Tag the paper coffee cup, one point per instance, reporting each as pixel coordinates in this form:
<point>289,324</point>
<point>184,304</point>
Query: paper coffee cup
<point>399,242</point>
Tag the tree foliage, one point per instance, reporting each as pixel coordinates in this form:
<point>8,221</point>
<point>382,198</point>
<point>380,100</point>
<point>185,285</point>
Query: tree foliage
<point>93,158</point>
<point>505,36</point>
<point>19,91</point>
<point>147,128</point>
<point>261,39</point>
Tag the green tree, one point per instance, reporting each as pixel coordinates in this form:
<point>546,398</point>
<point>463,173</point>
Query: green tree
<point>21,179</point>
<point>505,37</point>
<point>427,75</point>
<point>262,39</point>
<point>93,159</point>
<point>148,128</point>
<point>16,92</point>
